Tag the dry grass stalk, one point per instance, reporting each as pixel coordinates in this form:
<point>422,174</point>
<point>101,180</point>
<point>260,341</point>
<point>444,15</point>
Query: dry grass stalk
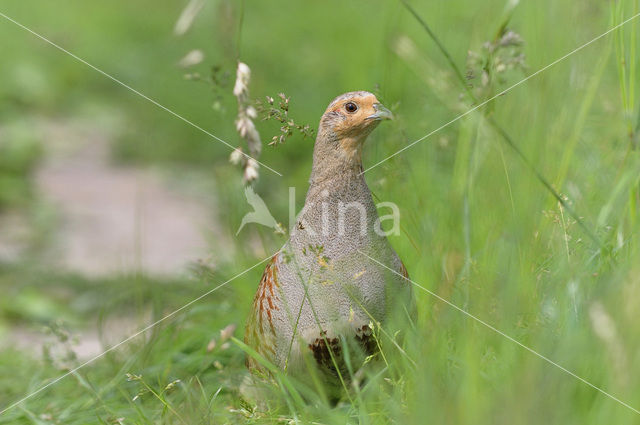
<point>245,126</point>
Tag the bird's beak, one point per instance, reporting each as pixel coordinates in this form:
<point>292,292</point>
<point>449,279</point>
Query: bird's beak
<point>381,113</point>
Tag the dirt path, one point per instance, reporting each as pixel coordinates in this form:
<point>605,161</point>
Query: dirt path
<point>109,220</point>
<point>115,219</point>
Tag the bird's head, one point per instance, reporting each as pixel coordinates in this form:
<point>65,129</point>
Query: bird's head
<point>353,115</point>
<point>349,119</point>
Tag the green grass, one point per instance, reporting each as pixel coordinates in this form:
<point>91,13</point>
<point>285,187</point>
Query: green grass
<point>480,229</point>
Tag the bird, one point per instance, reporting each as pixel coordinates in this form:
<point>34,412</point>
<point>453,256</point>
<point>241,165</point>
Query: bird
<point>320,295</point>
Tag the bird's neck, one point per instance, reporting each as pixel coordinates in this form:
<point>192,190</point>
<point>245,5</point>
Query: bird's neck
<point>337,161</point>
<point>338,206</point>
<point>337,175</point>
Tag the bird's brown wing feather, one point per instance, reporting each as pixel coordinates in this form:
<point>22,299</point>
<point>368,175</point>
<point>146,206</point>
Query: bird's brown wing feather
<point>260,333</point>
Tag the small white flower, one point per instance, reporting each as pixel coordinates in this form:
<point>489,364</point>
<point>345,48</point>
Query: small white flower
<point>243,75</point>
<point>239,88</point>
<point>244,125</point>
<point>251,112</point>
<point>187,16</point>
<point>211,346</point>
<point>251,170</point>
<point>244,70</point>
<point>236,156</point>
<point>192,58</point>
<point>227,332</point>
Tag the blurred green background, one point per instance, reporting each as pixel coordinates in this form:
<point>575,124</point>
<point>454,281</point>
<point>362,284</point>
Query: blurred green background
<point>80,155</point>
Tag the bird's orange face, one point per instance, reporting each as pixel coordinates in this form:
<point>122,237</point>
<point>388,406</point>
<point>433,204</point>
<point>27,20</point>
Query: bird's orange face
<point>355,114</point>
<point>352,116</point>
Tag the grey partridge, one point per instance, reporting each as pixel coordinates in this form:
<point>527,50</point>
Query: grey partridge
<point>320,293</point>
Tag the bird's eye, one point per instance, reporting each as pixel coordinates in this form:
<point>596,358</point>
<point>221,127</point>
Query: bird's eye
<point>351,107</point>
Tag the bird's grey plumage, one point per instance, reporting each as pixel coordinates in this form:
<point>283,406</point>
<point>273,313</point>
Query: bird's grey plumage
<point>326,287</point>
